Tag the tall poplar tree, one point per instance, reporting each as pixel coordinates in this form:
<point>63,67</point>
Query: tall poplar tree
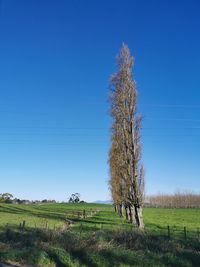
<point>125,152</point>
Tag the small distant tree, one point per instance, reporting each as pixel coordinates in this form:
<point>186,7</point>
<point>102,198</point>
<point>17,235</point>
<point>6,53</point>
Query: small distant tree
<point>6,197</point>
<point>74,198</point>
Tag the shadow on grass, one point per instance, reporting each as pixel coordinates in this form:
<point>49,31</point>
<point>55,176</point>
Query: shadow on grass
<point>45,212</point>
<point>32,212</point>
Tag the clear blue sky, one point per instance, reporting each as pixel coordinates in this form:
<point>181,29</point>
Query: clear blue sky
<point>55,61</point>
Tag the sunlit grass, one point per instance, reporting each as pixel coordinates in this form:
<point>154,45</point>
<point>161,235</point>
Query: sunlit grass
<point>54,215</point>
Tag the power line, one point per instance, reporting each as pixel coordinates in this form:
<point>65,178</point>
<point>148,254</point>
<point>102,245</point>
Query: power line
<point>172,119</point>
<point>170,105</point>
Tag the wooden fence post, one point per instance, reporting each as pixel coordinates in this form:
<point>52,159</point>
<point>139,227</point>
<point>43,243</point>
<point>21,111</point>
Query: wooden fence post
<point>81,228</point>
<point>198,233</point>
<point>84,214</point>
<point>168,231</point>
<point>185,232</point>
<point>23,225</point>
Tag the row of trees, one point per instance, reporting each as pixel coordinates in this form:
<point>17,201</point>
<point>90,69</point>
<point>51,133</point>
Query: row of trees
<point>126,169</point>
<point>9,199</point>
<point>177,200</point>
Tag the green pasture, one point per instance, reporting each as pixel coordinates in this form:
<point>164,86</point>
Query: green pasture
<point>55,215</point>
<point>101,239</point>
<point>40,215</point>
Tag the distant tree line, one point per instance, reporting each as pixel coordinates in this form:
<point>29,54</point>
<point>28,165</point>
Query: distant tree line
<point>177,200</point>
<point>126,169</point>
<point>9,199</point>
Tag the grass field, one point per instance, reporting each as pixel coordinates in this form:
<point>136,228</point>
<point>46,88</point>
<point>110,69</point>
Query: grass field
<point>101,239</point>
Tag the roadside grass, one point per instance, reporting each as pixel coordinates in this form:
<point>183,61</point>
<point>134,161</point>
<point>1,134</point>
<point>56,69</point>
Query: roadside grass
<point>102,248</point>
<point>100,240</point>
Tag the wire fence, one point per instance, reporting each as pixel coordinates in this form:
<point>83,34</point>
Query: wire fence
<point>81,219</point>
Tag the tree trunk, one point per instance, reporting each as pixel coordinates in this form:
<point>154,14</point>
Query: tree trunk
<point>127,213</point>
<point>115,206</point>
<point>131,214</point>
<point>138,216</point>
<point>120,210</point>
